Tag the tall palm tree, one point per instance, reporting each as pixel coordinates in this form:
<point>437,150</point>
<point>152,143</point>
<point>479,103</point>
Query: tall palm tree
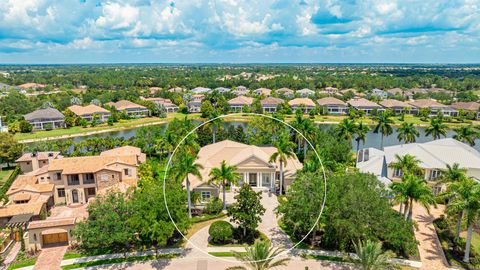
<point>346,129</point>
<point>260,256</point>
<point>361,131</point>
<point>299,124</point>
<point>400,191</point>
<point>436,128</point>
<point>407,133</point>
<point>384,125</point>
<point>408,164</point>
<point>214,124</point>
<point>184,166</point>
<point>371,256</point>
<point>466,199</point>
<point>466,134</point>
<point>224,175</point>
<point>418,191</point>
<point>284,151</point>
<point>309,130</point>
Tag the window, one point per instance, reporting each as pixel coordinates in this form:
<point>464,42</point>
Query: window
<point>266,180</point>
<point>397,172</point>
<point>126,172</point>
<point>61,192</point>
<point>435,174</point>
<point>436,190</point>
<point>104,177</point>
<point>58,176</point>
<point>73,179</point>
<point>206,195</point>
<point>89,178</point>
<point>35,237</point>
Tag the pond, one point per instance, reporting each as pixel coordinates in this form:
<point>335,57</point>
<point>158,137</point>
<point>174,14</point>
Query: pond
<point>372,139</point>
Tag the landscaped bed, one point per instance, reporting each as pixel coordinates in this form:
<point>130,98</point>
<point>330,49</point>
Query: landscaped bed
<point>23,260</point>
<point>119,260</point>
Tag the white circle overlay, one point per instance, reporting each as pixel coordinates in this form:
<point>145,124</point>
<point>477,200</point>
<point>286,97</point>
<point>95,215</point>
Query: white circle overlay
<point>242,114</point>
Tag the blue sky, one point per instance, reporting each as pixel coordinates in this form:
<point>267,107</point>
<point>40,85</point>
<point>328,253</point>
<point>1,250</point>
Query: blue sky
<point>115,31</point>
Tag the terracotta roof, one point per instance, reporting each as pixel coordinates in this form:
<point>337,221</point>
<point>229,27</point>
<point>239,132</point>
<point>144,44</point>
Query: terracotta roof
<point>47,113</point>
<point>87,110</point>
<point>49,223</point>
<point>22,197</point>
<point>271,101</point>
<point>264,91</point>
<point>125,104</point>
<point>29,183</point>
<point>241,100</point>
<point>330,101</point>
<point>395,91</point>
<point>284,91</point>
<point>467,106</point>
<point>427,103</point>
<point>89,164</point>
<point>392,103</point>
<point>361,102</point>
<point>18,209</point>
<point>125,151</point>
<point>39,156</point>
<point>32,85</point>
<point>301,101</point>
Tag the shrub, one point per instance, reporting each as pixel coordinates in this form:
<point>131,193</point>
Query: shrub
<point>214,206</point>
<point>221,231</point>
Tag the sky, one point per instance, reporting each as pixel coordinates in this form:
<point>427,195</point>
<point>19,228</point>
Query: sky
<point>248,31</point>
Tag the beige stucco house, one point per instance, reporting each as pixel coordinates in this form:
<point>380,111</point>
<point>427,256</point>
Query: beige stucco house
<point>42,233</point>
<point>252,162</point>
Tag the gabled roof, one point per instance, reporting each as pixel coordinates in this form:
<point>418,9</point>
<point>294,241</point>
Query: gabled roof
<point>89,164</point>
<point>393,103</point>
<point>271,101</point>
<point>394,91</point>
<point>330,101</point>
<point>427,103</point>
<point>467,106</point>
<point>47,113</point>
<point>264,91</point>
<point>361,102</point>
<point>87,110</point>
<point>241,100</point>
<point>306,91</point>
<point>301,101</point>
<point>284,91</point>
<point>38,156</point>
<point>125,104</point>
<point>53,222</point>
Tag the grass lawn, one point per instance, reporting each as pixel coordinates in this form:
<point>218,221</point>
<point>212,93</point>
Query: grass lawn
<point>261,236</point>
<point>4,174</point>
<point>22,263</point>
<point>200,225</point>
<point>119,260</point>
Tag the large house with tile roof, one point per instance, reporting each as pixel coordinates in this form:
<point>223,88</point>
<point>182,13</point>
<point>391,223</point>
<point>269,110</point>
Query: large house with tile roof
<point>237,104</point>
<point>332,105</point>
<point>305,104</point>
<point>91,111</point>
<point>434,107</point>
<point>130,108</point>
<point>46,119</point>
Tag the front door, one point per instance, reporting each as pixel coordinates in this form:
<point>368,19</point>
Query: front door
<point>75,196</point>
<point>252,179</point>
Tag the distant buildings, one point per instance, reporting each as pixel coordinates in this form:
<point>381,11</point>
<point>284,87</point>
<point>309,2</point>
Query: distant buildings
<point>131,109</point>
<point>305,104</point>
<point>169,106</point>
<point>270,104</point>
<point>365,105</point>
<point>91,111</point>
<point>46,119</point>
<point>434,107</point>
<point>286,92</point>
<point>201,90</point>
<point>379,93</point>
<point>194,106</point>
<point>332,105</point>
<point>237,104</point>
<point>305,92</point>
<point>397,106</point>
<point>263,91</point>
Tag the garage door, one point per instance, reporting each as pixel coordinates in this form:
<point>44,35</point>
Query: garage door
<point>55,238</point>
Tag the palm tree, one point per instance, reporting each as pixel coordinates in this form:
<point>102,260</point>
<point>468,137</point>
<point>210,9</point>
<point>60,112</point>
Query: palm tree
<point>466,134</point>
<point>407,133</point>
<point>284,151</point>
<point>418,191</point>
<point>436,128</point>
<point>214,124</point>
<point>346,129</point>
<point>361,132</point>
<point>371,256</point>
<point>408,164</point>
<point>465,197</point>
<point>384,125</point>
<point>400,191</point>
<point>298,124</point>
<point>260,256</point>
<point>309,131</point>
<point>223,175</point>
<point>184,166</point>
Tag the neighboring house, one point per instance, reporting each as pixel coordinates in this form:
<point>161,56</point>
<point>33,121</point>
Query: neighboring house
<point>288,93</point>
<point>305,104</point>
<point>201,90</point>
<point>176,90</point>
<point>473,107</point>
<point>398,106</point>
<point>395,92</point>
<point>305,92</point>
<point>331,90</point>
<point>89,111</point>
<point>434,106</point>
<point>361,104</point>
<point>46,119</point>
<point>263,91</point>
<point>240,91</point>
<point>222,89</point>
<point>33,161</point>
<point>194,106</point>
<point>332,105</point>
<point>169,106</point>
<point>252,162</point>
<point>379,93</point>
<point>49,232</point>
<point>237,104</point>
<point>270,104</point>
<point>411,92</point>
<point>440,90</point>
<point>130,108</point>
<point>434,157</point>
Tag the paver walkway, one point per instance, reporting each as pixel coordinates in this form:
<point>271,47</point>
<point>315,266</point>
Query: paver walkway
<point>13,253</point>
<point>50,258</point>
<point>431,253</point>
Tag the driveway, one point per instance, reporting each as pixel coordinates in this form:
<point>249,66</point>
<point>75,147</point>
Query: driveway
<point>50,257</point>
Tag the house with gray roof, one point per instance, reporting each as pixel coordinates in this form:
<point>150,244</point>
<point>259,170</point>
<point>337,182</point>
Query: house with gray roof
<point>332,105</point>
<point>305,92</point>
<point>46,119</point>
<point>362,104</point>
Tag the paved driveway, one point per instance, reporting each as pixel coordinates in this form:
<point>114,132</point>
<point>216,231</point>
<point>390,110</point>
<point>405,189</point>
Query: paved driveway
<point>50,258</point>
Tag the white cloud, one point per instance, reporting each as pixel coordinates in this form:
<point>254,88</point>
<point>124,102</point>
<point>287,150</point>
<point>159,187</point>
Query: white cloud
<point>116,16</point>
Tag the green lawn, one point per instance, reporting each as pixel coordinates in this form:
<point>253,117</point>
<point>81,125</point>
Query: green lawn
<point>119,260</point>
<point>23,263</point>
<point>4,174</point>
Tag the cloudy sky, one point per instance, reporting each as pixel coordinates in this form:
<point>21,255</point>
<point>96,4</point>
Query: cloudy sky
<point>115,31</point>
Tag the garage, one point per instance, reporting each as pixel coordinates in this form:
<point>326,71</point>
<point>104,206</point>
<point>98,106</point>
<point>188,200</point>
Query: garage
<point>55,238</point>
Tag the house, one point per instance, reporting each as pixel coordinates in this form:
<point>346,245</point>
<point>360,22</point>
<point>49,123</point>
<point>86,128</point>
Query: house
<point>237,104</point>
<point>395,92</point>
<point>434,107</point>
<point>175,90</point>
<point>46,119</point>
<point>365,105</point>
<point>252,162</point>
<point>194,106</point>
<point>332,105</point>
<point>473,107</point>
<point>379,93</point>
<point>434,157</point>
<point>201,90</point>
<point>270,104</point>
<point>49,232</point>
<point>169,106</point>
<point>305,92</point>
<point>222,90</point>
<point>398,106</point>
<point>262,91</point>
<point>240,91</point>
<point>131,109</point>
<point>331,90</point>
<point>288,93</point>
<point>440,91</point>
<point>90,111</point>
<point>414,91</point>
<point>33,161</point>
<point>305,104</point>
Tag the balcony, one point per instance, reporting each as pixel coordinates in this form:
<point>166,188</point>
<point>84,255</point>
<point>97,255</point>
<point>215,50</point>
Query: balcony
<point>73,180</point>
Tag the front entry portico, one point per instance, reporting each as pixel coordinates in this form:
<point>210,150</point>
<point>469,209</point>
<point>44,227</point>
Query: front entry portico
<point>258,179</point>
